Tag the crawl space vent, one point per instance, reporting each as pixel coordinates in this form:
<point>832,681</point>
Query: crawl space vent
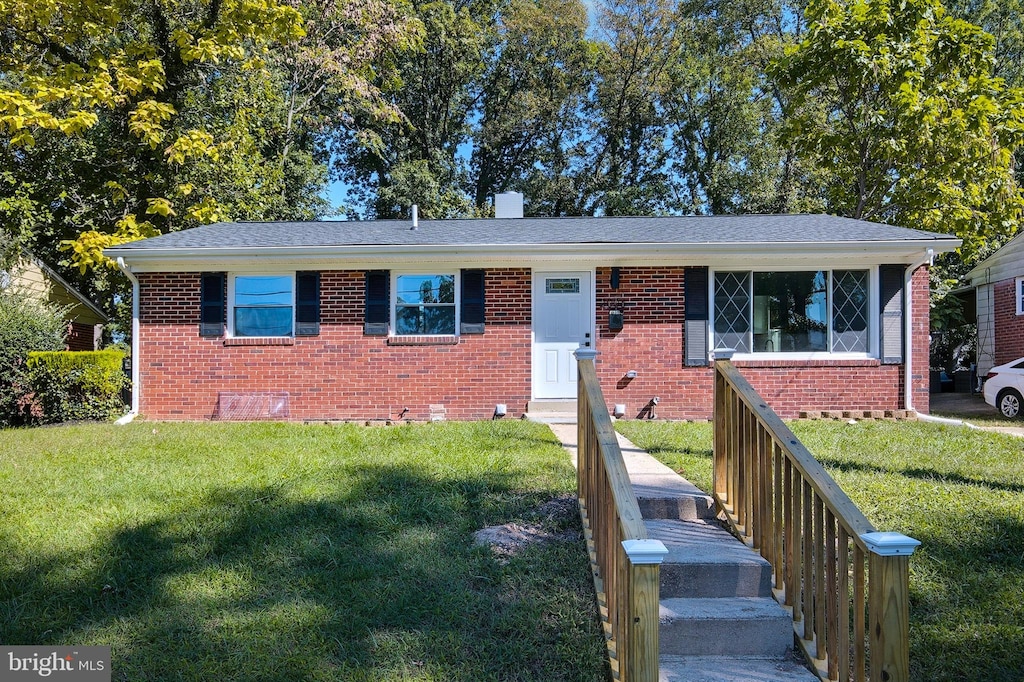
<point>251,406</point>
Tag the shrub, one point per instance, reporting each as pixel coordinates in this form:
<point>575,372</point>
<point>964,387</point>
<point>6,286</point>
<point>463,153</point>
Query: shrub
<point>26,324</point>
<point>77,385</point>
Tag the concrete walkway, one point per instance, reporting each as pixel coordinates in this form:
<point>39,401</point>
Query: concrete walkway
<point>656,485</point>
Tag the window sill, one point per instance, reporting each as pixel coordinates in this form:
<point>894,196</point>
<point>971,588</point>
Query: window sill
<point>424,340</point>
<point>259,341</point>
<point>806,362</point>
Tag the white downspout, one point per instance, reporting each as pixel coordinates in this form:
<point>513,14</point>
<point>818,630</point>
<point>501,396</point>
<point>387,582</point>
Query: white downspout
<point>135,344</point>
<point>908,328</point>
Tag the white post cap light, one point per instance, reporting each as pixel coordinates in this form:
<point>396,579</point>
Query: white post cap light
<point>723,353</point>
<point>585,353</point>
<point>641,552</point>
<point>889,543</point>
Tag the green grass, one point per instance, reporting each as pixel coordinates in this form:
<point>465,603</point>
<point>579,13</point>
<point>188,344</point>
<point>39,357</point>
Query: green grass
<point>960,492</point>
<point>289,552</point>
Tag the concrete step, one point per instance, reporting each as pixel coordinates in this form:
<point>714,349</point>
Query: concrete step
<point>705,560</point>
<point>669,496</point>
<point>735,626</point>
<point>551,411</point>
<point>733,669</point>
<point>660,491</point>
<point>549,406</point>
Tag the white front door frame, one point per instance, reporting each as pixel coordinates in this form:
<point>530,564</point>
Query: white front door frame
<point>557,333</point>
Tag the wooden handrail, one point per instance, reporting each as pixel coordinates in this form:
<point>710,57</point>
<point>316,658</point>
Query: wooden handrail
<point>624,561</point>
<point>781,501</point>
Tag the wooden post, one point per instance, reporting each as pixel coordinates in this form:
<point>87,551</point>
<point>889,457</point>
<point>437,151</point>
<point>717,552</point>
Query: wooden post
<point>584,457</point>
<point>645,557</point>
<point>889,605</point>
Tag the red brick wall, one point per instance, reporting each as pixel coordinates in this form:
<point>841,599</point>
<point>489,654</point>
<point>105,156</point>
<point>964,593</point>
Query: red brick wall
<point>340,374</point>
<point>1009,327</point>
<point>343,374</point>
<point>80,336</point>
<point>651,343</point>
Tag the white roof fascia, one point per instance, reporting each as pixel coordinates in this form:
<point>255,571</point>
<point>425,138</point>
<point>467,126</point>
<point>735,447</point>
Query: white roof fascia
<point>720,255</point>
<point>70,289</point>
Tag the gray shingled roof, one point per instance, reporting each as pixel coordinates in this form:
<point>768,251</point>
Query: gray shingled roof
<point>796,229</point>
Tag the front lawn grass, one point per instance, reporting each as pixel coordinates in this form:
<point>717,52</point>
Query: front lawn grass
<point>291,552</point>
<point>959,491</point>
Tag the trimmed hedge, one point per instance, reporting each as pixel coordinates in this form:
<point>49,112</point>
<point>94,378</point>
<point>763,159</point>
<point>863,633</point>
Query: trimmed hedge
<point>77,385</point>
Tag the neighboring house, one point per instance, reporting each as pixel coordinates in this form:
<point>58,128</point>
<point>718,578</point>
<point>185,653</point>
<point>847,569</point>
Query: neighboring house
<point>397,320</point>
<point>998,283</point>
<point>85,319</point>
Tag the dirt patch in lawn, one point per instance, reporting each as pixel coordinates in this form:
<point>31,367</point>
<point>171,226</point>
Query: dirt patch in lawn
<point>552,517</point>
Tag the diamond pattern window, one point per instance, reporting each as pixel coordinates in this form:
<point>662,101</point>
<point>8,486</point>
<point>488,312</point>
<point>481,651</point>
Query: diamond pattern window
<point>812,311</point>
<point>850,311</point>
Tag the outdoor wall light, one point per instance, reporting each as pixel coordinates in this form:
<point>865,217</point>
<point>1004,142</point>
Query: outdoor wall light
<point>631,374</point>
<point>500,410</point>
<point>619,411</point>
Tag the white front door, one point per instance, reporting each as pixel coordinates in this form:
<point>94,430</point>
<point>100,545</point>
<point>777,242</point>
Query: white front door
<point>562,321</point>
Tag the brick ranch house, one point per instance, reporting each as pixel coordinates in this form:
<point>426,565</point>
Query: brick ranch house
<point>401,320</point>
<point>998,284</point>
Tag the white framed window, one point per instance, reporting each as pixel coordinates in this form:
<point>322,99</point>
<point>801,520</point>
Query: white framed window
<point>805,313</point>
<point>261,305</point>
<point>1019,290</point>
<point>425,304</point>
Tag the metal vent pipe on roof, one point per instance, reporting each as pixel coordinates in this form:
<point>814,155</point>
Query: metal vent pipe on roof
<point>415,217</point>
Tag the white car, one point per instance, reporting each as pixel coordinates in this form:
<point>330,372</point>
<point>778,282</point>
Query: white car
<point>1004,388</point>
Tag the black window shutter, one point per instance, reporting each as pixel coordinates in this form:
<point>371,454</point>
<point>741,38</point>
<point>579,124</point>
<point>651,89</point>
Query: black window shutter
<point>211,306</point>
<point>378,302</point>
<point>472,314</point>
<point>307,303</point>
<point>890,278</point>
<point>695,321</point>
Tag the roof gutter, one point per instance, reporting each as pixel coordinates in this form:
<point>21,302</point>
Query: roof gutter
<point>134,411</point>
<point>908,323</point>
<point>619,252</point>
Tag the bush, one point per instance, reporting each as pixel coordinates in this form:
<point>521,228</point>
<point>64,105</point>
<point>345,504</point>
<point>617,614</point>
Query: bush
<point>77,385</point>
<point>26,324</point>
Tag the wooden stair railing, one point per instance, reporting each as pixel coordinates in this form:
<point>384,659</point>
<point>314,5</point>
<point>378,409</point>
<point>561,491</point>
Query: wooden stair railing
<point>626,564</point>
<point>779,500</point>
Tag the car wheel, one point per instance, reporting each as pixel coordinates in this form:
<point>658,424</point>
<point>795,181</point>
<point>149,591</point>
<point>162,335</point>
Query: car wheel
<point>1009,403</point>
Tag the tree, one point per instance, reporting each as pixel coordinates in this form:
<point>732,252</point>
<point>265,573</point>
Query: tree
<point>1004,20</point>
<point>537,78</point>
<point>126,72</point>
<point>628,162</point>
<point>131,118</point>
<point>914,126</point>
<point>723,110</point>
<point>414,157</point>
